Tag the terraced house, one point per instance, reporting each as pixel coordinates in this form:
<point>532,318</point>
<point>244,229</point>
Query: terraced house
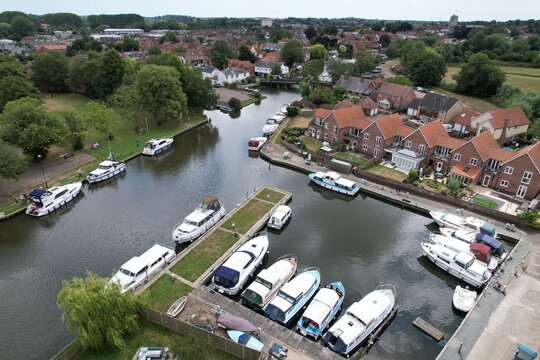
<point>341,125</point>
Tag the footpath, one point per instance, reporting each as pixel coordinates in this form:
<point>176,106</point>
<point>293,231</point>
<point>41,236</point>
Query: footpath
<point>499,321</point>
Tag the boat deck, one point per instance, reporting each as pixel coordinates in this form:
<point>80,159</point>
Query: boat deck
<point>271,332</point>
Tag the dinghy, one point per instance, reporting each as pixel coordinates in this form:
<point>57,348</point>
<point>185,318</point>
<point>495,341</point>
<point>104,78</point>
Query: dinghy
<point>464,299</point>
<point>177,307</point>
<point>245,339</point>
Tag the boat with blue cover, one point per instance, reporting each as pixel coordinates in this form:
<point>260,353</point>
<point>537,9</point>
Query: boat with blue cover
<point>44,202</point>
<point>333,181</point>
<point>293,296</point>
<point>245,339</point>
<point>321,310</point>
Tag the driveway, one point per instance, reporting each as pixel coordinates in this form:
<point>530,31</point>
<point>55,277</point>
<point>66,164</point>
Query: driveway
<point>226,94</point>
<point>385,68</point>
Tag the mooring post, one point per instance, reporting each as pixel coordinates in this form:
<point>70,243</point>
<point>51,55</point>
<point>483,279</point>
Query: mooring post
<point>460,346</point>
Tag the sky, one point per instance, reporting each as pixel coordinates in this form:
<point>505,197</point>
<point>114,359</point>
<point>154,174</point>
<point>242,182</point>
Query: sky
<point>386,9</point>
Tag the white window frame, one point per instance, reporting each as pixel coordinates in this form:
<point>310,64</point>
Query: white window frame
<point>457,157</point>
<point>335,130</point>
<point>326,125</point>
<point>365,147</point>
<point>504,183</point>
<point>526,178</point>
<point>521,189</point>
<point>378,140</point>
<point>408,144</point>
<point>422,149</point>
<point>376,152</point>
<point>473,163</point>
<point>508,170</point>
<point>366,136</point>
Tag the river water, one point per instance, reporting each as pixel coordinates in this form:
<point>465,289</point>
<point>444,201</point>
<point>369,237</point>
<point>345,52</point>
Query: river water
<point>361,241</point>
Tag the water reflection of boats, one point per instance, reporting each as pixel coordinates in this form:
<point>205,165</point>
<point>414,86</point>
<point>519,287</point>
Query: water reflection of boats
<point>329,194</point>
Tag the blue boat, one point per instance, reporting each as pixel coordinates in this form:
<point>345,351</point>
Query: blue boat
<point>293,296</point>
<point>245,339</point>
<point>333,181</point>
<point>322,310</point>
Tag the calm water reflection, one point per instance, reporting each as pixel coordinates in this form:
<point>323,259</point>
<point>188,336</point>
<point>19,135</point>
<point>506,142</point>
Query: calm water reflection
<point>360,241</point>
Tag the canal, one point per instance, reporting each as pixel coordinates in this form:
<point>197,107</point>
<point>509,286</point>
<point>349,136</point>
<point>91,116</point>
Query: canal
<point>362,241</point>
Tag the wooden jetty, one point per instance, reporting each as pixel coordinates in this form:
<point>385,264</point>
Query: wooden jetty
<point>428,329</point>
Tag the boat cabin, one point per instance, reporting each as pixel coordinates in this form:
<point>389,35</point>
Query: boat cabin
<point>464,260</point>
<point>271,121</point>
<point>482,252</point>
<point>253,143</point>
<point>107,164</point>
<point>227,274</point>
<point>37,196</point>
<point>488,229</point>
<point>496,246</point>
<point>210,203</point>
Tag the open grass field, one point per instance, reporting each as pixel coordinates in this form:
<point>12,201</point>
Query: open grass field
<point>64,101</point>
<point>270,195</point>
<point>164,291</point>
<point>478,104</point>
<point>151,335</point>
<point>246,217</point>
<point>527,79</point>
<point>194,264</point>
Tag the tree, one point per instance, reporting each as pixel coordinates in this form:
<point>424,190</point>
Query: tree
<point>310,32</point>
<point>160,92</point>
<point>12,164</point>
<point>305,89</point>
<point>182,25</point>
<point>10,66</point>
<point>276,70</point>
<point>22,25</point>
<point>340,92</point>
<point>26,124</point>
<point>321,95</point>
<point>50,71</point>
<point>125,100</point>
<point>401,80</point>
<point>200,92</point>
<point>110,73</point>
<point>454,186</point>
<point>16,87</point>
<point>479,76</point>
<point>507,91</point>
<point>244,53</point>
<point>81,70</point>
<point>413,176</point>
<point>166,60</point>
<point>97,313</point>
<point>426,67</point>
<point>311,70</point>
<point>220,54</point>
<point>318,51</point>
<point>534,129</point>
<point>384,40</point>
<point>277,33</point>
<point>336,68</point>
<point>234,103</point>
<point>76,128</point>
<point>365,62</point>
<point>98,116</point>
<point>292,53</point>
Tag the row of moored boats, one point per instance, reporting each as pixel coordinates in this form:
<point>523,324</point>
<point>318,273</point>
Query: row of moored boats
<point>270,126</point>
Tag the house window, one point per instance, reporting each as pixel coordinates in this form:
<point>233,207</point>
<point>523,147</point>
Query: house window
<point>378,140</point>
<point>366,136</point>
<point>326,136</point>
<point>422,149</point>
<point>335,130</point>
<point>326,125</point>
<point>509,170</point>
<point>399,139</point>
<point>364,147</point>
<point>376,153</point>
<point>318,121</point>
<point>504,183</point>
<point>527,176</point>
<point>473,161</point>
<point>408,143</point>
<point>457,157</point>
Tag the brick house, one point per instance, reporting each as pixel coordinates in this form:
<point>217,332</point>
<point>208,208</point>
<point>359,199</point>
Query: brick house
<point>370,107</point>
<point>394,96</point>
<point>243,64</point>
<point>342,125</point>
<point>502,123</point>
<point>462,122</point>
<point>355,86</point>
<point>435,106</point>
<point>383,133</point>
<point>520,173</point>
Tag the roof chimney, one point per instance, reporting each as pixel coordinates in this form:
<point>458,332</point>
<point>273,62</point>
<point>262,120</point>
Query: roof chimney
<point>502,140</point>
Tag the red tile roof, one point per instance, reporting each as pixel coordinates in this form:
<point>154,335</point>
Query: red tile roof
<point>431,131</point>
<point>465,170</point>
<point>500,154</point>
<point>350,116</point>
<point>449,142</point>
<point>394,89</point>
<point>368,104</point>
<point>390,125</point>
<point>322,113</point>
<point>515,116</point>
<point>483,142</point>
<point>465,117</point>
<point>533,151</point>
<point>52,47</point>
<point>343,104</point>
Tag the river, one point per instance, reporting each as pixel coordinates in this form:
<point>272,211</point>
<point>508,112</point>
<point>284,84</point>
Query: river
<point>362,241</point>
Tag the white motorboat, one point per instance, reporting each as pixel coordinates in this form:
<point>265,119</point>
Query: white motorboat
<point>461,246</point>
<point>206,215</point>
<point>157,146</point>
<point>279,117</point>
<point>177,306</point>
<point>238,268</point>
<point>269,281</point>
<point>279,218</point>
<point>284,108</point>
<point>456,222</point>
<point>270,127</point>
<point>464,299</point>
<point>293,296</point>
<point>44,202</point>
<point>139,268</point>
<point>461,234</point>
<point>462,265</point>
<point>106,170</point>
<point>256,143</point>
<point>333,181</point>
<point>360,320</point>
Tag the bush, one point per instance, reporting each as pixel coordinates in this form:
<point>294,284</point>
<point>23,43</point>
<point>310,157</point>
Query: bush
<point>454,186</point>
<point>292,111</point>
<point>413,176</point>
<point>258,95</point>
<point>77,141</point>
<point>234,103</point>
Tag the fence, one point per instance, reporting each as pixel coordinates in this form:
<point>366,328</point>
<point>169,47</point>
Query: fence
<point>183,328</point>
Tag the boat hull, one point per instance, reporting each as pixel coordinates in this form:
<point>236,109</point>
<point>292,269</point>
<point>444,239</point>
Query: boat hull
<point>177,307</point>
<point>159,150</point>
<point>252,343</point>
<point>106,176</point>
<point>38,212</point>
<point>184,238</point>
<point>333,187</point>
<point>463,299</point>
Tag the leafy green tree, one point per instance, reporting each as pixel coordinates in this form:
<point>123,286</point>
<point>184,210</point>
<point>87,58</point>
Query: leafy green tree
<point>26,124</point>
<point>160,92</point>
<point>220,54</point>
<point>130,44</point>
<point>534,42</point>
<point>169,36</point>
<point>50,71</point>
<point>310,32</point>
<point>365,62</point>
<point>507,91</point>
<point>413,176</point>
<point>16,87</point>
<point>12,164</point>
<point>312,69</point>
<point>277,33</point>
<point>401,80</point>
<point>97,313</point>
<point>125,100</point>
<point>318,51</point>
<point>63,21</point>
<point>454,186</point>
<point>10,67</point>
<point>244,53</point>
<point>384,40</point>
<point>426,67</point>
<point>76,127</point>
<point>166,60</point>
<point>110,73</point>
<point>81,70</point>
<point>529,102</point>
<point>321,95</point>
<point>276,70</point>
<point>22,25</point>
<point>340,92</point>
<point>305,89</point>
<point>292,52</point>
<point>199,91</point>
<point>534,129</point>
<point>292,111</point>
<point>234,103</point>
<point>154,50</point>
<point>5,31</point>
<point>336,68</point>
<point>479,76</point>
<point>182,25</point>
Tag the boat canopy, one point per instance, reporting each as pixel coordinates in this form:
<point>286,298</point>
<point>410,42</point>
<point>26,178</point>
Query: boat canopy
<point>488,229</point>
<point>37,193</point>
<point>210,203</point>
<point>226,277</point>
<point>244,339</point>
<point>494,244</point>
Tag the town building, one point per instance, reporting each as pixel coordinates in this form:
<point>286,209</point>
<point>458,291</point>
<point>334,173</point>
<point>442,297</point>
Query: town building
<point>266,22</point>
<point>265,67</point>
<point>355,86</point>
<point>435,106</point>
<point>123,31</point>
<point>453,21</point>
<point>342,125</point>
<point>520,173</point>
<point>227,76</point>
<point>393,96</point>
<point>503,124</point>
<point>7,46</point>
<point>385,132</point>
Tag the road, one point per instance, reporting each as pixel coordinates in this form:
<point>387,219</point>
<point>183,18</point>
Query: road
<point>385,68</point>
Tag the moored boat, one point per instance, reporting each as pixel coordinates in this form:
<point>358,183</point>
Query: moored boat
<point>460,246</point>
<point>177,306</point>
<point>360,320</point>
<point>456,222</point>
<point>462,265</point>
<point>461,234</point>
<point>279,218</point>
<point>269,127</point>
<point>43,202</point>
<point>256,143</point>
<point>495,245</point>
<point>157,146</point>
<point>206,215</point>
<point>333,181</point>
<point>279,117</point>
<point>284,108</point>
<point>231,276</point>
<point>292,297</point>
<point>245,339</point>
<point>321,310</point>
<point>269,281</point>
<point>464,299</point>
<point>106,170</point>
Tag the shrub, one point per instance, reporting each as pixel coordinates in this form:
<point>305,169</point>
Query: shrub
<point>454,186</point>
<point>234,103</point>
<point>413,175</point>
<point>258,95</point>
<point>292,111</point>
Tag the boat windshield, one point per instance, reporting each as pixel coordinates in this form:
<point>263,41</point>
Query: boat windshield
<point>252,297</point>
<point>357,318</point>
<point>309,323</point>
<point>190,222</point>
<point>126,272</point>
<point>275,313</point>
<point>104,167</point>
<point>263,282</point>
<point>287,297</point>
<point>149,145</point>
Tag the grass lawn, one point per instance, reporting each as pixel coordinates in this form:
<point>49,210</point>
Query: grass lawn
<point>270,195</point>
<point>432,185</point>
<point>164,291</point>
<point>386,172</point>
<point>248,215</point>
<point>482,201</point>
<point>150,335</point>
<point>65,101</point>
<point>350,158</point>
<point>251,101</point>
<point>197,261</point>
<point>12,207</point>
<point>312,145</point>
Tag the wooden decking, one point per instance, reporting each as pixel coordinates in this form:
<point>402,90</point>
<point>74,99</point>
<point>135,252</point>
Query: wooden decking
<point>271,332</point>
